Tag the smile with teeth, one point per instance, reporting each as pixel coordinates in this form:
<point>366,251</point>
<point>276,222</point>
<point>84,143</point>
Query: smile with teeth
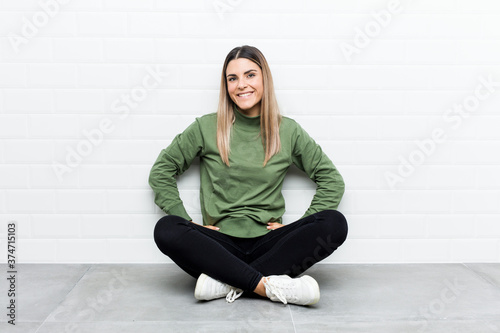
<point>245,94</point>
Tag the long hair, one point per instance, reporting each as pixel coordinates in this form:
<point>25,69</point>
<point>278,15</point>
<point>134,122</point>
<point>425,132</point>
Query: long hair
<point>270,117</point>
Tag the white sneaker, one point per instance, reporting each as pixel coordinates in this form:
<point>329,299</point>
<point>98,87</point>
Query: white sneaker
<point>301,291</point>
<point>208,289</point>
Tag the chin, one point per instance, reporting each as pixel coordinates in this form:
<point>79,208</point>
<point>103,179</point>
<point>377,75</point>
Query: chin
<point>245,107</point>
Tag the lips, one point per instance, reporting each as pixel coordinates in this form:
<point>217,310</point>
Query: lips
<point>245,94</point>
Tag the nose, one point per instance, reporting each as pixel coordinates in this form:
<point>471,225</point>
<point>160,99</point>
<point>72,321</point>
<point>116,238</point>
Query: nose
<point>242,84</point>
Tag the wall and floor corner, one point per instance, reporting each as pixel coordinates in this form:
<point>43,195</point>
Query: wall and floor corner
<point>403,96</point>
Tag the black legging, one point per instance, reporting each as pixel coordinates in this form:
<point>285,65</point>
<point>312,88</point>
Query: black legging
<point>242,262</point>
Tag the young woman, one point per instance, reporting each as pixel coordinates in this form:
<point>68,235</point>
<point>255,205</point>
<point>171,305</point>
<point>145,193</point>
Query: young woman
<point>245,150</point>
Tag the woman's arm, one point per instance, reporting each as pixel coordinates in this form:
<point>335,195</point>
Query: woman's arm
<point>173,161</point>
<point>308,156</point>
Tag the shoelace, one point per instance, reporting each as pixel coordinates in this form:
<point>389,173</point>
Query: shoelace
<point>280,290</point>
<point>233,295</point>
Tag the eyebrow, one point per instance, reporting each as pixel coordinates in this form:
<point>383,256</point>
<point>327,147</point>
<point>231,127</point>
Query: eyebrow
<point>248,71</point>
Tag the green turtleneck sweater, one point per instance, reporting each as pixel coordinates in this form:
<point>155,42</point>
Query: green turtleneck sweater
<point>242,198</point>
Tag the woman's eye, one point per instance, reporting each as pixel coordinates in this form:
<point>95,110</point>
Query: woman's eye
<point>251,75</point>
<point>231,79</point>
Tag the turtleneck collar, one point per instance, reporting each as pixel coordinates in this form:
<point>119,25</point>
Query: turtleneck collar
<point>245,122</point>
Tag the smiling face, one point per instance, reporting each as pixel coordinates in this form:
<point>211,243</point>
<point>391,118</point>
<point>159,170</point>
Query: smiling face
<point>245,85</point>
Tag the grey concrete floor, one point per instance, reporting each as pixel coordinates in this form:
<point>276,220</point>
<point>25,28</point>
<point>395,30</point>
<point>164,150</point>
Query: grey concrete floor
<point>159,298</point>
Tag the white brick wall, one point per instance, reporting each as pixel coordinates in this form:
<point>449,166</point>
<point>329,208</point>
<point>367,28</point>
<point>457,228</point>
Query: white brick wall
<point>84,65</point>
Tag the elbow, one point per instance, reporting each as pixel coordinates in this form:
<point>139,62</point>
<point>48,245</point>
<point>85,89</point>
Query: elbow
<point>151,180</point>
<point>341,184</point>
<point>340,189</point>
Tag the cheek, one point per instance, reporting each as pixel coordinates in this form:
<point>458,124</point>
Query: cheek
<point>260,87</point>
<point>231,92</point>
<point>261,91</point>
<point>231,87</point>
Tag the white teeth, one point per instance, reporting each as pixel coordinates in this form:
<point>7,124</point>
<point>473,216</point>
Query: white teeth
<point>244,95</point>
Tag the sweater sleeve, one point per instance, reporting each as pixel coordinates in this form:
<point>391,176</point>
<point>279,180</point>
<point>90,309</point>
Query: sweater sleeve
<point>309,157</point>
<point>172,162</point>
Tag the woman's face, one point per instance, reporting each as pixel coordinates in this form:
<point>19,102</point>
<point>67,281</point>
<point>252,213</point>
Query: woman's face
<point>245,85</point>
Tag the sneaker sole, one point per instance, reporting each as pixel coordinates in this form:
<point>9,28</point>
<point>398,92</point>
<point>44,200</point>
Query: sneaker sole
<point>315,289</point>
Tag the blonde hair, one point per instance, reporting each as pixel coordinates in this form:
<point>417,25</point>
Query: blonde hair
<point>270,117</point>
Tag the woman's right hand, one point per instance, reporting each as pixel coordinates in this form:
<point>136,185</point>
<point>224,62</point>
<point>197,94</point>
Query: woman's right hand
<point>210,227</point>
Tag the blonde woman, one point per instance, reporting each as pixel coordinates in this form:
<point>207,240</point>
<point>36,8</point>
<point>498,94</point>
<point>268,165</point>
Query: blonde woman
<point>245,150</point>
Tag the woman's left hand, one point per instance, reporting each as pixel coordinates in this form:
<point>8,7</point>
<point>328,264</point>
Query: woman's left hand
<point>274,225</point>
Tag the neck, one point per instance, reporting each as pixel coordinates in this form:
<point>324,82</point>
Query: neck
<point>252,112</point>
<point>245,122</point>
